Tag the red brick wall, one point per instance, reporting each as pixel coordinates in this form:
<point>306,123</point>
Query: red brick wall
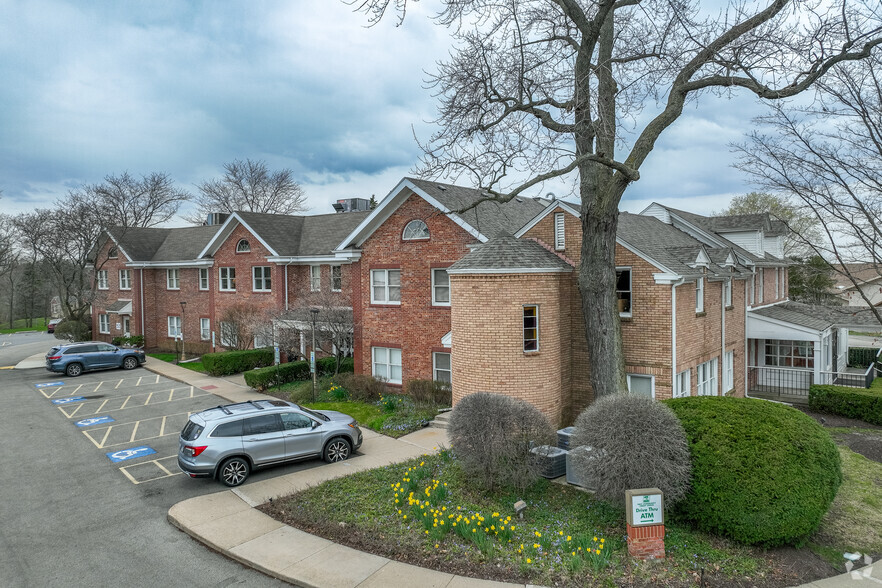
<point>104,298</point>
<point>415,324</point>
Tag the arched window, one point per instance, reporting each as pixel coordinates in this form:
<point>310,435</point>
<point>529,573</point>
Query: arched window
<point>415,229</point>
<point>243,246</point>
<point>112,253</point>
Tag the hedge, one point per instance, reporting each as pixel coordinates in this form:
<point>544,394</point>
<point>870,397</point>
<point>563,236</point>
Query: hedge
<point>861,356</point>
<point>762,473</point>
<point>267,377</point>
<point>235,362</point>
<point>855,403</point>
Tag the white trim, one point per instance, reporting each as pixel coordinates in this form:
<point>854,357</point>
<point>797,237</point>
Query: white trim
<point>118,246</point>
<point>447,340</point>
<point>385,285</point>
<point>435,365</point>
<point>433,286</point>
<point>220,280</point>
<point>515,270</point>
<point>201,330</point>
<point>629,269</point>
<point>168,280</point>
<point>551,207</point>
<point>340,268</point>
<point>523,329</point>
<point>120,275</point>
<point>207,279</point>
<point>312,283</point>
<point>172,264</point>
<point>106,281</point>
<point>679,391</point>
<point>226,230</point>
<point>713,379</point>
<point>308,259</point>
<point>263,278</point>
<point>388,363</point>
<point>699,300</point>
<point>178,326</point>
<point>642,376</point>
<point>560,231</point>
<point>424,226</point>
<point>105,330</point>
<point>646,258</point>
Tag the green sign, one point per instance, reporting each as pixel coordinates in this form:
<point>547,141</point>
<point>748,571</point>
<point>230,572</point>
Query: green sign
<point>646,509</point>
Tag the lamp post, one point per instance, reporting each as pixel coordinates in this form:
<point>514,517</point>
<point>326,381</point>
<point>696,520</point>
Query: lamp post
<point>312,366</point>
<point>183,309</point>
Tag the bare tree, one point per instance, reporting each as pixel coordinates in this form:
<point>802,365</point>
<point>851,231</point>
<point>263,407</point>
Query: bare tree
<point>9,262</point>
<point>829,156</point>
<point>131,202</point>
<point>249,185</point>
<point>544,89</point>
<point>239,324</point>
<point>334,323</point>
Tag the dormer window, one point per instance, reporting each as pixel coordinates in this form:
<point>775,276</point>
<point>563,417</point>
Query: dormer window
<point>243,246</point>
<point>415,230</point>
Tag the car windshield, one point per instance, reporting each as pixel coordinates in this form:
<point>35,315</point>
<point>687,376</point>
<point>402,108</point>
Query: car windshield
<point>317,415</point>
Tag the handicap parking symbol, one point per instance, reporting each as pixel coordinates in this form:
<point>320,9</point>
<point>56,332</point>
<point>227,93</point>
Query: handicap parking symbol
<point>68,400</point>
<point>94,421</point>
<point>124,454</point>
<point>48,384</point>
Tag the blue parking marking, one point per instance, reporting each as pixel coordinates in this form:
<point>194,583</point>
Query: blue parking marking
<point>135,452</point>
<point>94,421</point>
<point>48,384</point>
<point>68,400</point>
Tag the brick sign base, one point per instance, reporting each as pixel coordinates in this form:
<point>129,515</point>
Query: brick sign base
<point>646,542</point>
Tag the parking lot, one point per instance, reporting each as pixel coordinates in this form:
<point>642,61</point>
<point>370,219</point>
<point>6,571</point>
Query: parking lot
<point>131,418</point>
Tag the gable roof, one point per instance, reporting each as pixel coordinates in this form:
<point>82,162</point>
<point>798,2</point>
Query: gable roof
<point>505,254</point>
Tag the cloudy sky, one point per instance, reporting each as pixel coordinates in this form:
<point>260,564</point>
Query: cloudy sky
<point>101,87</point>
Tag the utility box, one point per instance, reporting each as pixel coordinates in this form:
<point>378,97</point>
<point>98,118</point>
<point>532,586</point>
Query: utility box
<point>581,452</point>
<point>563,437</point>
<point>551,460</point>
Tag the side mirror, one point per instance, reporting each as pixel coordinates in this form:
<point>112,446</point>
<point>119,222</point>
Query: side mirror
<point>316,424</point>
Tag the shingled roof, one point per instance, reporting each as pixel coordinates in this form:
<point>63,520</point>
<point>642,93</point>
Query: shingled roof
<point>819,317</point>
<point>505,253</point>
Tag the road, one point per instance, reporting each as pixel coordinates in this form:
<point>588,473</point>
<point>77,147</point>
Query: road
<point>69,515</point>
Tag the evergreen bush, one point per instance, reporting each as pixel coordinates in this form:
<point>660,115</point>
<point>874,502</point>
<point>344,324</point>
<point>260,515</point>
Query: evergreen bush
<point>235,362</point>
<point>854,403</point>
<point>267,377</point>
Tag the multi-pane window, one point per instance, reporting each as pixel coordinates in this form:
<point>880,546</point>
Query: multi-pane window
<point>728,371</point>
<point>707,378</point>
<point>203,278</point>
<point>641,385</point>
<point>787,353</point>
<point>531,327</point>
<point>699,295</point>
<point>174,326</point>
<point>103,323</point>
<point>102,280</point>
<point>682,385</point>
<point>440,287</point>
<point>337,278</point>
<point>243,246</point>
<point>173,279</point>
<point>229,334</point>
<point>441,367</point>
<point>387,364</point>
<point>727,293</point>
<point>415,229</point>
<point>125,279</point>
<point>261,340</point>
<point>760,293</point>
<point>559,233</point>
<point>777,283</point>
<point>623,290</point>
<point>205,329</point>
<point>315,278</point>
<point>386,286</point>
<point>112,253</point>
<point>262,278</point>
<point>227,277</point>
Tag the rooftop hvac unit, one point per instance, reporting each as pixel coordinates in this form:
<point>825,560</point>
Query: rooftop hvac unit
<point>352,204</point>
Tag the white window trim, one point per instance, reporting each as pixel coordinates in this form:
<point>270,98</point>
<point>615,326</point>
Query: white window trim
<point>643,376</point>
<point>560,242</point>
<point>728,371</point>
<point>385,286</point>
<point>174,326</point>
<point>128,274</point>
<point>221,279</point>
<point>435,365</point>
<point>761,275</point>
<point>777,284</point>
<point>313,279</point>
<point>435,302</point>
<point>204,271</point>
<point>523,330</point>
<point>727,293</point>
<point>240,249</point>
<point>388,363</point>
<point>104,324</point>
<point>630,290</point>
<point>263,278</point>
<point>339,268</point>
<point>683,389</point>
<point>103,280</point>
<point>203,330</point>
<point>404,236</point>
<point>699,295</point>
<point>177,279</point>
<point>702,385</point>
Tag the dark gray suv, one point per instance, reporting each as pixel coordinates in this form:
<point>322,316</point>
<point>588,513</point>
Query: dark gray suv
<point>227,442</point>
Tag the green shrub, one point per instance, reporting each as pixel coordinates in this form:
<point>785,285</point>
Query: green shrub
<point>361,387</point>
<point>235,362</point>
<point>267,377</point>
<point>134,341</point>
<point>855,403</point>
<point>429,392</point>
<point>762,473</point>
<point>326,365</point>
<point>861,356</point>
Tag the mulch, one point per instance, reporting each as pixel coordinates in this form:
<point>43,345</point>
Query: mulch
<point>867,444</point>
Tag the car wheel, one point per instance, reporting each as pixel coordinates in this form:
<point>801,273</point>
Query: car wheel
<point>130,363</point>
<point>234,471</point>
<point>73,370</point>
<point>337,450</point>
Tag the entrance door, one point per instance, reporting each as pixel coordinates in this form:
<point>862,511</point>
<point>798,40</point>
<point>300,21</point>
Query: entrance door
<point>126,320</point>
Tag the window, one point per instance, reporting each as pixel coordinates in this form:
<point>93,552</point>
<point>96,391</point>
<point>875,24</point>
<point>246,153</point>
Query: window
<point>262,278</point>
<point>788,353</point>
<point>231,429</point>
<point>387,364</point>
<point>727,293</point>
<point>227,279</point>
<point>683,385</point>
<point>386,286</point>
<point>559,234</point>
<point>752,289</point>
<point>265,423</point>
<point>174,326</point>
<point>699,295</point>
<point>414,230</point>
<point>229,335</point>
<point>125,279</point>
<point>531,328</point>
<point>102,280</point>
<point>112,253</point>
<point>337,278</point>
<point>260,341</point>
<point>728,371</point>
<point>315,278</point>
<point>760,293</point>
<point>243,246</point>
<point>103,323</point>
<point>173,279</point>
<point>777,284</point>
<point>707,378</point>
<point>203,278</point>
<point>204,329</point>
<point>441,367</point>
<point>440,288</point>
<point>623,290</point>
<point>293,420</point>
<point>641,385</point>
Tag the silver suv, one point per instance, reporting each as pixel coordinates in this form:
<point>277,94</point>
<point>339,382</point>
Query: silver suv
<point>227,442</point>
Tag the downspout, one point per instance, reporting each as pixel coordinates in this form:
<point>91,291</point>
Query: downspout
<point>723,337</point>
<point>141,288</point>
<point>674,334</point>
<point>746,342</point>
<point>286,285</point>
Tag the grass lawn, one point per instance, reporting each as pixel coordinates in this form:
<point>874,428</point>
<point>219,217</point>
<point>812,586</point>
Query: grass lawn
<point>196,366</point>
<point>37,324</point>
<point>361,412</point>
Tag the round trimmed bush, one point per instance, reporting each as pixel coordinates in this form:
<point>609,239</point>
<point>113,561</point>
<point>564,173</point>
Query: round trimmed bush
<point>636,443</point>
<point>491,436</point>
<point>762,473</point>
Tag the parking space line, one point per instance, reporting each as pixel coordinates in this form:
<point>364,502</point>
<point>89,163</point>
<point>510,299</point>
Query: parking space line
<point>103,444</point>
<point>135,431</point>
<point>149,396</point>
<point>103,439</point>
<point>118,383</point>
<point>162,426</point>
<point>79,406</point>
<point>124,403</point>
<point>98,386</point>
<point>157,379</point>
<point>148,465</point>
<point>163,468</point>
<point>139,381</point>
<point>45,391</point>
<point>171,394</point>
<point>94,406</point>
<point>129,476</point>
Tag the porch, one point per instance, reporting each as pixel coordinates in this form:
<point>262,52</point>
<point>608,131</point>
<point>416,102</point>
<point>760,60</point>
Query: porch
<point>792,384</point>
